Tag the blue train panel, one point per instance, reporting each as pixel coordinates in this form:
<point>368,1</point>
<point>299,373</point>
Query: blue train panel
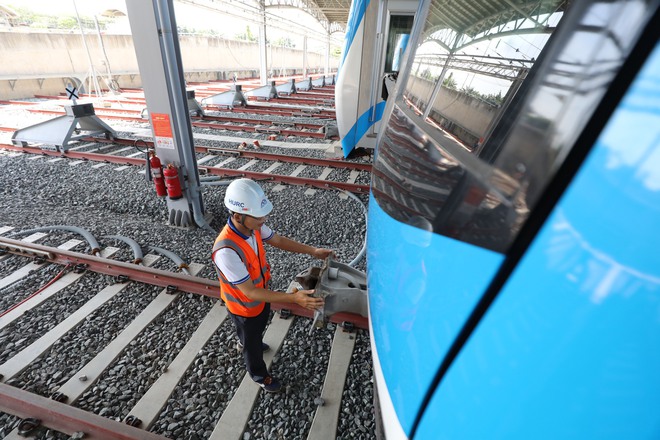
<point>570,349</point>
<point>513,283</point>
<point>419,304</point>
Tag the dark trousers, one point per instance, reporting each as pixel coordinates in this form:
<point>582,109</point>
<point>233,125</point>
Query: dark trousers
<point>250,332</point>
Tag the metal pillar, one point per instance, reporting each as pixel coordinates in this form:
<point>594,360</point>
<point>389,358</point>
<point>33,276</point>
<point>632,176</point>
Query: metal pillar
<point>263,56</point>
<point>326,68</point>
<point>305,66</point>
<point>159,59</point>
<point>441,78</point>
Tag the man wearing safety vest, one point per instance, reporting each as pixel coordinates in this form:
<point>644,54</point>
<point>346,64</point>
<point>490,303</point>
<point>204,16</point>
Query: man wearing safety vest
<point>240,260</point>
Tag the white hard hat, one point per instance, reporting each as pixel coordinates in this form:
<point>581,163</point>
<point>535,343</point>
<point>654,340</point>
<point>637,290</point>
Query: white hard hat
<point>245,196</point>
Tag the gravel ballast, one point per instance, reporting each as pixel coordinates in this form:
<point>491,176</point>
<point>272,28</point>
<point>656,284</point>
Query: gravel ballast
<point>37,191</point>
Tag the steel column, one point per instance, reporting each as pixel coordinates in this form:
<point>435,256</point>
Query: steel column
<point>159,59</point>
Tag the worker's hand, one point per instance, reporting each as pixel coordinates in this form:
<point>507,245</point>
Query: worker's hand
<point>322,253</point>
<point>304,299</point>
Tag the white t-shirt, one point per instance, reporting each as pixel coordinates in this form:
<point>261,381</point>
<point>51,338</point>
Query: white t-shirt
<point>231,265</point>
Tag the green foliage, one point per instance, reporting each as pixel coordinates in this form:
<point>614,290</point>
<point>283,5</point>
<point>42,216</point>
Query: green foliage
<point>284,42</point>
<point>247,36</point>
<point>449,81</point>
<point>67,23</point>
<point>427,74</point>
<point>27,17</point>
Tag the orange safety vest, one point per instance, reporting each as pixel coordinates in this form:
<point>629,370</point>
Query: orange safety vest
<point>257,268</point>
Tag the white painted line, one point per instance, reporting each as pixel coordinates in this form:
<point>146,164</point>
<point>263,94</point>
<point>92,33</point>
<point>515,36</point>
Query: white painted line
<point>298,170</point>
<point>224,162</point>
<point>25,357</point>
<point>34,237</point>
<point>235,417</point>
<point>80,147</point>
<point>324,425</point>
<point>206,158</point>
<point>25,270</point>
<point>352,177</point>
<point>75,387</point>
<point>248,165</point>
<point>323,176</point>
<point>152,402</point>
<point>48,292</point>
<point>271,168</point>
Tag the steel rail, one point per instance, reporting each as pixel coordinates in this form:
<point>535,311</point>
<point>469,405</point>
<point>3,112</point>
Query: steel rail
<point>250,129</point>
<point>266,177</point>
<point>320,184</point>
<point>96,157</point>
<point>106,112</point>
<point>67,419</point>
<point>156,277</point>
<point>260,130</point>
<point>333,163</point>
<point>294,100</point>
<point>131,272</point>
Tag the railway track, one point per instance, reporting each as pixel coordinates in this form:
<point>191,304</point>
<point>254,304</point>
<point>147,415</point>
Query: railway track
<point>284,128</point>
<point>302,170</point>
<point>114,359</point>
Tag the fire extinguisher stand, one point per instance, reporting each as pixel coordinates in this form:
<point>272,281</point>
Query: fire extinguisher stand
<point>159,59</point>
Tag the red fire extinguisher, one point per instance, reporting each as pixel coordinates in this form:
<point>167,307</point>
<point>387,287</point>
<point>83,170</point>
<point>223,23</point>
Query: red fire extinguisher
<point>172,182</point>
<point>157,169</point>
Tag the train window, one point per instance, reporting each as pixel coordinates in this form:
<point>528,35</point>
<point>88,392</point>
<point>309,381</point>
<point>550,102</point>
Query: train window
<point>488,110</point>
<point>398,35</point>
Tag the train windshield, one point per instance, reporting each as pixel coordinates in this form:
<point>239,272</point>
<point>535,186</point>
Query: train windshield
<point>487,111</point>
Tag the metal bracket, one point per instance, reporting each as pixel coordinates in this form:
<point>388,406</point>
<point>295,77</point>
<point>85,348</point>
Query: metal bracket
<point>59,397</point>
<point>171,289</point>
<point>132,421</point>
<point>80,268</point>
<point>27,426</point>
<point>319,82</point>
<point>229,99</point>
<point>121,279</point>
<point>287,88</point>
<point>79,119</point>
<point>343,288</point>
<point>193,106</point>
<point>266,92</point>
<point>305,86</point>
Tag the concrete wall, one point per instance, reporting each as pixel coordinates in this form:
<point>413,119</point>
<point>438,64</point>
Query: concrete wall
<point>466,117</point>
<point>44,63</point>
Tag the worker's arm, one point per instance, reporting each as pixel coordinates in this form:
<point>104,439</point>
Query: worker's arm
<point>293,246</point>
<point>300,297</point>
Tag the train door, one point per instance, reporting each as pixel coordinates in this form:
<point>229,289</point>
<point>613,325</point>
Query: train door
<point>395,25</point>
<point>375,40</point>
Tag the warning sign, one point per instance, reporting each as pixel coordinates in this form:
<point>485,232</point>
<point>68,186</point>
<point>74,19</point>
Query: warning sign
<point>162,130</point>
<point>161,124</point>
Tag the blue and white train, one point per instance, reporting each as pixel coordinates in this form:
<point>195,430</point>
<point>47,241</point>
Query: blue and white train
<point>376,36</point>
<point>514,237</point>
